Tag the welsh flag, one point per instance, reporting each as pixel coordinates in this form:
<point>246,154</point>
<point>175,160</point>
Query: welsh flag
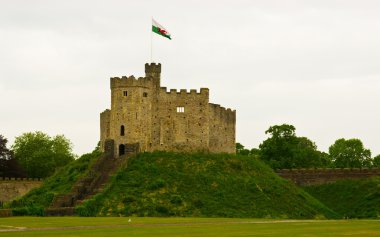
<point>157,28</point>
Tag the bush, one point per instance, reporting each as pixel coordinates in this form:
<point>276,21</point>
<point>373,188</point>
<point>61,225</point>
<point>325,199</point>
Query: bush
<point>28,211</point>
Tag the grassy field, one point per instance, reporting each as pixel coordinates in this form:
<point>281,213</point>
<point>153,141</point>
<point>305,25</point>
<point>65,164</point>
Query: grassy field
<point>143,226</point>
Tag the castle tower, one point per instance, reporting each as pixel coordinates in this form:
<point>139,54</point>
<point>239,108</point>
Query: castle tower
<point>131,109</point>
<point>154,71</point>
<point>148,117</point>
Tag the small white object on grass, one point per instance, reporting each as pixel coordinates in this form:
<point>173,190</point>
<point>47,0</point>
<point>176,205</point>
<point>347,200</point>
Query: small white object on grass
<point>129,220</point>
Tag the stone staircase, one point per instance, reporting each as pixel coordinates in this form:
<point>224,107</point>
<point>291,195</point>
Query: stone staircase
<point>86,187</point>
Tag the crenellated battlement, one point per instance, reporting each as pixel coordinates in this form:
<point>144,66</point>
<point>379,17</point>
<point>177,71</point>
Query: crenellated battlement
<point>223,112</point>
<point>131,81</point>
<point>107,111</point>
<point>153,68</point>
<point>202,91</point>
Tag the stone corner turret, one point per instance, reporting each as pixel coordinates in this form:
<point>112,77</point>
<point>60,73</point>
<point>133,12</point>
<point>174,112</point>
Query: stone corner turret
<point>152,69</point>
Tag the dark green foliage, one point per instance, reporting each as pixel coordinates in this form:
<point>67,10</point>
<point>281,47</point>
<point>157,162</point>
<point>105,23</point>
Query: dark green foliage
<point>255,152</point>
<point>284,150</point>
<point>206,185</point>
<point>59,183</point>
<point>9,167</point>
<point>5,153</point>
<point>350,154</point>
<point>40,155</point>
<point>28,211</point>
<point>241,150</point>
<point>376,161</point>
<point>350,198</point>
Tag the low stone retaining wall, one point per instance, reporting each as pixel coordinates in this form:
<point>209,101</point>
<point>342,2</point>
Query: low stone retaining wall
<point>304,177</point>
<point>61,211</point>
<point>12,188</point>
<point>5,212</point>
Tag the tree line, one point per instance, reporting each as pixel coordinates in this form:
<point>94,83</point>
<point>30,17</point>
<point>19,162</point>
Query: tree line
<point>34,155</point>
<point>37,155</point>
<point>284,150</point>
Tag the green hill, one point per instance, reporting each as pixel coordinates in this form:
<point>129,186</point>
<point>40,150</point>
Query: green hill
<point>205,185</point>
<point>350,198</point>
<point>34,202</point>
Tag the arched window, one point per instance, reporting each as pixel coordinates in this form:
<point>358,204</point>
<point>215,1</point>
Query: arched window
<point>121,149</point>
<point>122,130</point>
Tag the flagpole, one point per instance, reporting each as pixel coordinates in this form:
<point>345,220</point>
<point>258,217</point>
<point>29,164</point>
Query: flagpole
<point>151,43</point>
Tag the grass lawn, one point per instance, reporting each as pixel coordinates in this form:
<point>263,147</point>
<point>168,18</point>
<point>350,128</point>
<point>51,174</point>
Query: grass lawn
<point>113,226</point>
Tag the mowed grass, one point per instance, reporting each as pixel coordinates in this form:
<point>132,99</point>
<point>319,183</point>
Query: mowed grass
<point>142,226</point>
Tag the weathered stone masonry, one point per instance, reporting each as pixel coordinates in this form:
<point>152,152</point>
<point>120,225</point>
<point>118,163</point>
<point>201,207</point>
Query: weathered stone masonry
<point>305,177</point>
<point>146,116</point>
<point>12,188</point>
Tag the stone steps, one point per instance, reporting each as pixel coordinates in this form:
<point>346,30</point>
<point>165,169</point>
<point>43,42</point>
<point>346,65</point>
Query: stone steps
<point>85,188</point>
<point>60,211</point>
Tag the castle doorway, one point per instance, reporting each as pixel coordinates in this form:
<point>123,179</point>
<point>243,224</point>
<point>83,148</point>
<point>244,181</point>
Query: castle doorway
<point>121,149</point>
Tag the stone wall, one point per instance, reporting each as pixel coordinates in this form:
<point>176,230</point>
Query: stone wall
<point>11,188</point>
<point>304,177</point>
<point>222,129</point>
<point>142,112</point>
<point>186,130</point>
<point>105,119</point>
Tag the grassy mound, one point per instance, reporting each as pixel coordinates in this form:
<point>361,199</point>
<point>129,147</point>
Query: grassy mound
<point>203,185</point>
<point>350,198</point>
<point>34,202</point>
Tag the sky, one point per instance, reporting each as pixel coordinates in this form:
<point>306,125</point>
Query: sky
<point>312,64</point>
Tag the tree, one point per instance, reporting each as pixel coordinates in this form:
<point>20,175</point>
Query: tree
<point>376,161</point>
<point>40,155</point>
<point>5,153</point>
<point>350,154</point>
<point>282,131</point>
<point>241,150</point>
<point>284,150</point>
<point>255,152</point>
<point>325,160</point>
<point>9,167</point>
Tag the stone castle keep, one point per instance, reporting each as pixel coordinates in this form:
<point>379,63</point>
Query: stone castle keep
<point>146,117</point>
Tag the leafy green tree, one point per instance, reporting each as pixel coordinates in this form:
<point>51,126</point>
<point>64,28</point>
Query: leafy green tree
<point>305,153</point>
<point>350,154</point>
<point>40,154</point>
<point>325,160</point>
<point>376,161</point>
<point>281,131</point>
<point>5,153</point>
<point>9,167</point>
<point>254,152</point>
<point>284,150</point>
<point>240,149</point>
